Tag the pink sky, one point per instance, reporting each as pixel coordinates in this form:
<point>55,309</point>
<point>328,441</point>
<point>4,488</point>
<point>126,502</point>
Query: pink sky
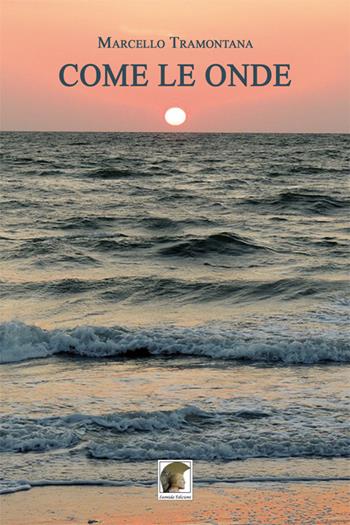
<point>39,36</point>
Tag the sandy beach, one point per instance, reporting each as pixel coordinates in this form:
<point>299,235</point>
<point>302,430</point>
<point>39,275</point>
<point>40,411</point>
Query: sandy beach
<point>319,503</point>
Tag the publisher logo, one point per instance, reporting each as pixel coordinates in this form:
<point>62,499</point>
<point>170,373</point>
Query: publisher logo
<point>175,479</point>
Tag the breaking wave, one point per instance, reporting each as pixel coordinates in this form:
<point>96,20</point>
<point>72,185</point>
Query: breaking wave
<point>19,342</point>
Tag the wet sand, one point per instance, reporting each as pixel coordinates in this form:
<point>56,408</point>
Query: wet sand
<point>320,503</point>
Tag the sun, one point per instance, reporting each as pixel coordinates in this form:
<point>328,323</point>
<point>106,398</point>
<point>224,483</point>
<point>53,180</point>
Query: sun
<point>175,116</point>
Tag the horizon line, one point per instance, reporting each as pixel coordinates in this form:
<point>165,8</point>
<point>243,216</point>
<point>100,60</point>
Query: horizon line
<point>173,132</point>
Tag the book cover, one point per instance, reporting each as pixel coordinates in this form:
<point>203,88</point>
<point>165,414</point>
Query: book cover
<point>173,257</point>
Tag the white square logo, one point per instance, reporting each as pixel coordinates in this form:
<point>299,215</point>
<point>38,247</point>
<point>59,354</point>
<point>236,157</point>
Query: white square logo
<point>175,479</point>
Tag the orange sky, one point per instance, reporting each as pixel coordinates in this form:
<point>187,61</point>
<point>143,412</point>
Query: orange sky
<point>39,36</point>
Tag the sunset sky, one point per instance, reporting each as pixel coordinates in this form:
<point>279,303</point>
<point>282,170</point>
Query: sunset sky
<point>39,36</point>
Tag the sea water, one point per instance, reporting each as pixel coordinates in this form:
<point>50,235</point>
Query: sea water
<point>173,296</point>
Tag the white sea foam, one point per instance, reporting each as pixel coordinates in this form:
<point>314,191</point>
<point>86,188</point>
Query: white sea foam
<point>39,435</point>
<point>141,421</point>
<point>27,436</point>
<point>277,446</point>
<point>11,486</point>
<point>20,342</point>
<point>218,435</point>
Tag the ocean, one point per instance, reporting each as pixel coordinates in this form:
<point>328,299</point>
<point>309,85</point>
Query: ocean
<point>173,296</point>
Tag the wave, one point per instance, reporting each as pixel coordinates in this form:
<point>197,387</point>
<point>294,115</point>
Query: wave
<point>316,203</point>
<point>184,432</point>
<point>37,435</point>
<point>112,173</point>
<point>94,222</point>
<point>166,223</point>
<point>115,173</point>
<point>28,160</point>
<point>11,486</point>
<point>159,223</point>
<point>33,436</point>
<point>18,434</point>
<point>19,342</point>
<point>148,290</point>
<point>316,170</point>
<point>79,222</point>
<point>224,242</point>
<point>234,446</point>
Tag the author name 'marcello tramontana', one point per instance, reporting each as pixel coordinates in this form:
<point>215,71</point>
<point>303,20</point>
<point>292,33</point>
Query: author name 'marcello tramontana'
<point>175,42</point>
